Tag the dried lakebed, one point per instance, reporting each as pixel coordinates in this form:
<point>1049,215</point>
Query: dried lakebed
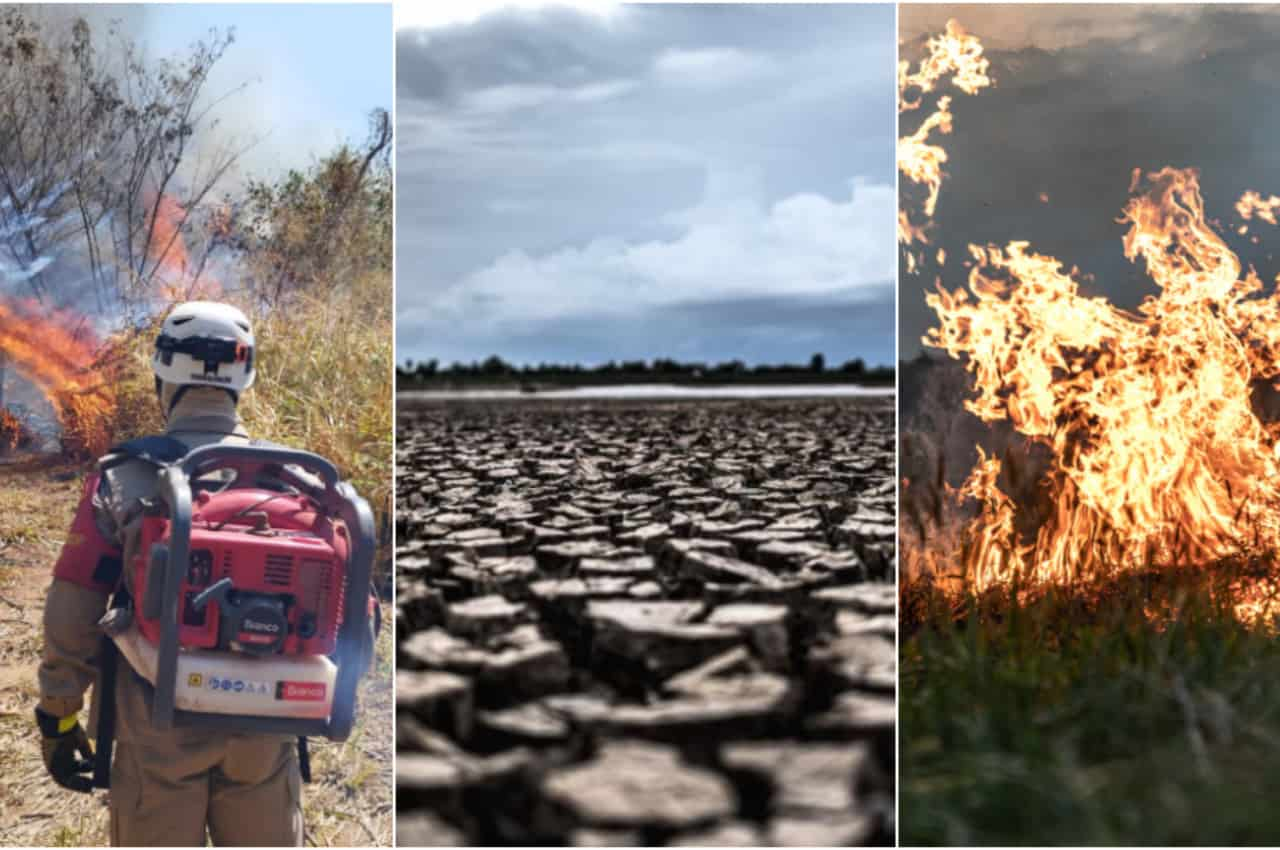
<point>623,623</point>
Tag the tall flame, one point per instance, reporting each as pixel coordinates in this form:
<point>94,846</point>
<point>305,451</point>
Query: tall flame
<point>955,54</point>
<point>1155,453</point>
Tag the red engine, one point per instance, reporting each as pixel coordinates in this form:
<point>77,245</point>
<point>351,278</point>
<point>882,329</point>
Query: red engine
<point>266,574</point>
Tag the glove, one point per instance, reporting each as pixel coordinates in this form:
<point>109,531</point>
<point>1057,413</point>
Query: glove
<point>67,753</point>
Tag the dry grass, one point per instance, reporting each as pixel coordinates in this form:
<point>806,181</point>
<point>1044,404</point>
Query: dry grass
<point>349,801</point>
<point>36,505</point>
<point>325,384</point>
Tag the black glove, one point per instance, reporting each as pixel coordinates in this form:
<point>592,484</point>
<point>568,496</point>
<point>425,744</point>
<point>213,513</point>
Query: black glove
<point>64,744</point>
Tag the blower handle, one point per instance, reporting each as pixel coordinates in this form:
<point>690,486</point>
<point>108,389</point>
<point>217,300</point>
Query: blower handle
<point>175,491</point>
<point>355,635</point>
<point>249,460</point>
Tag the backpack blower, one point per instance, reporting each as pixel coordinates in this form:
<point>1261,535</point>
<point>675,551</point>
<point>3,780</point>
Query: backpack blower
<point>251,608</point>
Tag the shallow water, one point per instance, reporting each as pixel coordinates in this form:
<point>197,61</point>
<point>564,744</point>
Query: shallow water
<point>662,391</point>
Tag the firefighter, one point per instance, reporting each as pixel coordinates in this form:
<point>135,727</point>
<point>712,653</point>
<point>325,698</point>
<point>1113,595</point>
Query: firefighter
<point>167,787</point>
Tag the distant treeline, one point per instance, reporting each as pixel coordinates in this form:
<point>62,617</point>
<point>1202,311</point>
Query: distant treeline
<point>495,371</point>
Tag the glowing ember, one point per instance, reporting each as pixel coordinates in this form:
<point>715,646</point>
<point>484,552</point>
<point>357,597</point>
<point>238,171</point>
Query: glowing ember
<point>13,433</point>
<point>954,54</point>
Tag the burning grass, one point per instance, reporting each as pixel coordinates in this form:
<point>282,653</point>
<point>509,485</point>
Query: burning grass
<point>1156,452</point>
<point>1089,617</point>
<point>14,433</point>
<point>1152,450</point>
<point>62,356</point>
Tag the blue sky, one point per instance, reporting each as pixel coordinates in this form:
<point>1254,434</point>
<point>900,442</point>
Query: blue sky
<point>699,182</point>
<point>314,71</point>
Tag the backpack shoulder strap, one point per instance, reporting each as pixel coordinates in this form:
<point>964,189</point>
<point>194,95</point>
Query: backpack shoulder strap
<point>158,450</point>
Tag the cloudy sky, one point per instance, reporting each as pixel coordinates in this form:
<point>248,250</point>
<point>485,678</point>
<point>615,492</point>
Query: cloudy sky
<point>628,183</point>
<point>1082,96</point>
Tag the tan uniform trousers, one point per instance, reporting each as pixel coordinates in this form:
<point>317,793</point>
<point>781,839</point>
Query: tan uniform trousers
<point>167,787</point>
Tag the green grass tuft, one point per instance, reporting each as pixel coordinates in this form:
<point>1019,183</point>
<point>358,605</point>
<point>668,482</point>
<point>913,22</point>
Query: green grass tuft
<point>1139,711</point>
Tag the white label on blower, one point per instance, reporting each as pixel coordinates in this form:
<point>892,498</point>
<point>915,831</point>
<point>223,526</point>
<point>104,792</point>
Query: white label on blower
<point>234,683</point>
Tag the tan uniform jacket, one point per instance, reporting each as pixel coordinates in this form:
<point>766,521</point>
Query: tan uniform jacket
<point>167,786</point>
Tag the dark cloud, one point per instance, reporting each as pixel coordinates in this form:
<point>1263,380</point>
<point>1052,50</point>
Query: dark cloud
<point>558,46</point>
<point>564,46</point>
<point>1187,88</point>
<point>563,158</point>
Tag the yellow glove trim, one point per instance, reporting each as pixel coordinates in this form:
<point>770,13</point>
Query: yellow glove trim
<point>66,724</point>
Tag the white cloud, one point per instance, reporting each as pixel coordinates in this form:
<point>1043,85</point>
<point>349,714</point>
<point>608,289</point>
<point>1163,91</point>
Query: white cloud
<point>512,206</point>
<point>603,90</point>
<point>510,97</point>
<point>443,13</point>
<point>709,65</point>
<point>729,247</point>
<point>623,154</point>
<point>506,98</point>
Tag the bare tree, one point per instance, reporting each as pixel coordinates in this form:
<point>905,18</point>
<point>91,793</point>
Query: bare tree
<point>97,156</point>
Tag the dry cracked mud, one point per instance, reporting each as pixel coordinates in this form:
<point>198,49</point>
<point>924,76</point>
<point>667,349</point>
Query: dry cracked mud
<point>625,623</point>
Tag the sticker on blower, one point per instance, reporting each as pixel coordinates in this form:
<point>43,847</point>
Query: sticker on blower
<point>301,691</point>
<point>233,686</point>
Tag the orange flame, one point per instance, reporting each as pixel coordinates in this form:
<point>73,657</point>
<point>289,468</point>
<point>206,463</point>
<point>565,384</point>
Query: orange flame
<point>56,352</point>
<point>179,278</point>
<point>1153,453</point>
<point>954,54</point>
<point>12,432</point>
<point>168,248</point>
<point>1251,203</point>
<point>1158,456</point>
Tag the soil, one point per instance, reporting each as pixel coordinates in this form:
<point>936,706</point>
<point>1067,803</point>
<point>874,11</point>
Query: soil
<point>646,623</point>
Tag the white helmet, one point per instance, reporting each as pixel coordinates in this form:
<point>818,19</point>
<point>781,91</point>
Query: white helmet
<point>205,343</point>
